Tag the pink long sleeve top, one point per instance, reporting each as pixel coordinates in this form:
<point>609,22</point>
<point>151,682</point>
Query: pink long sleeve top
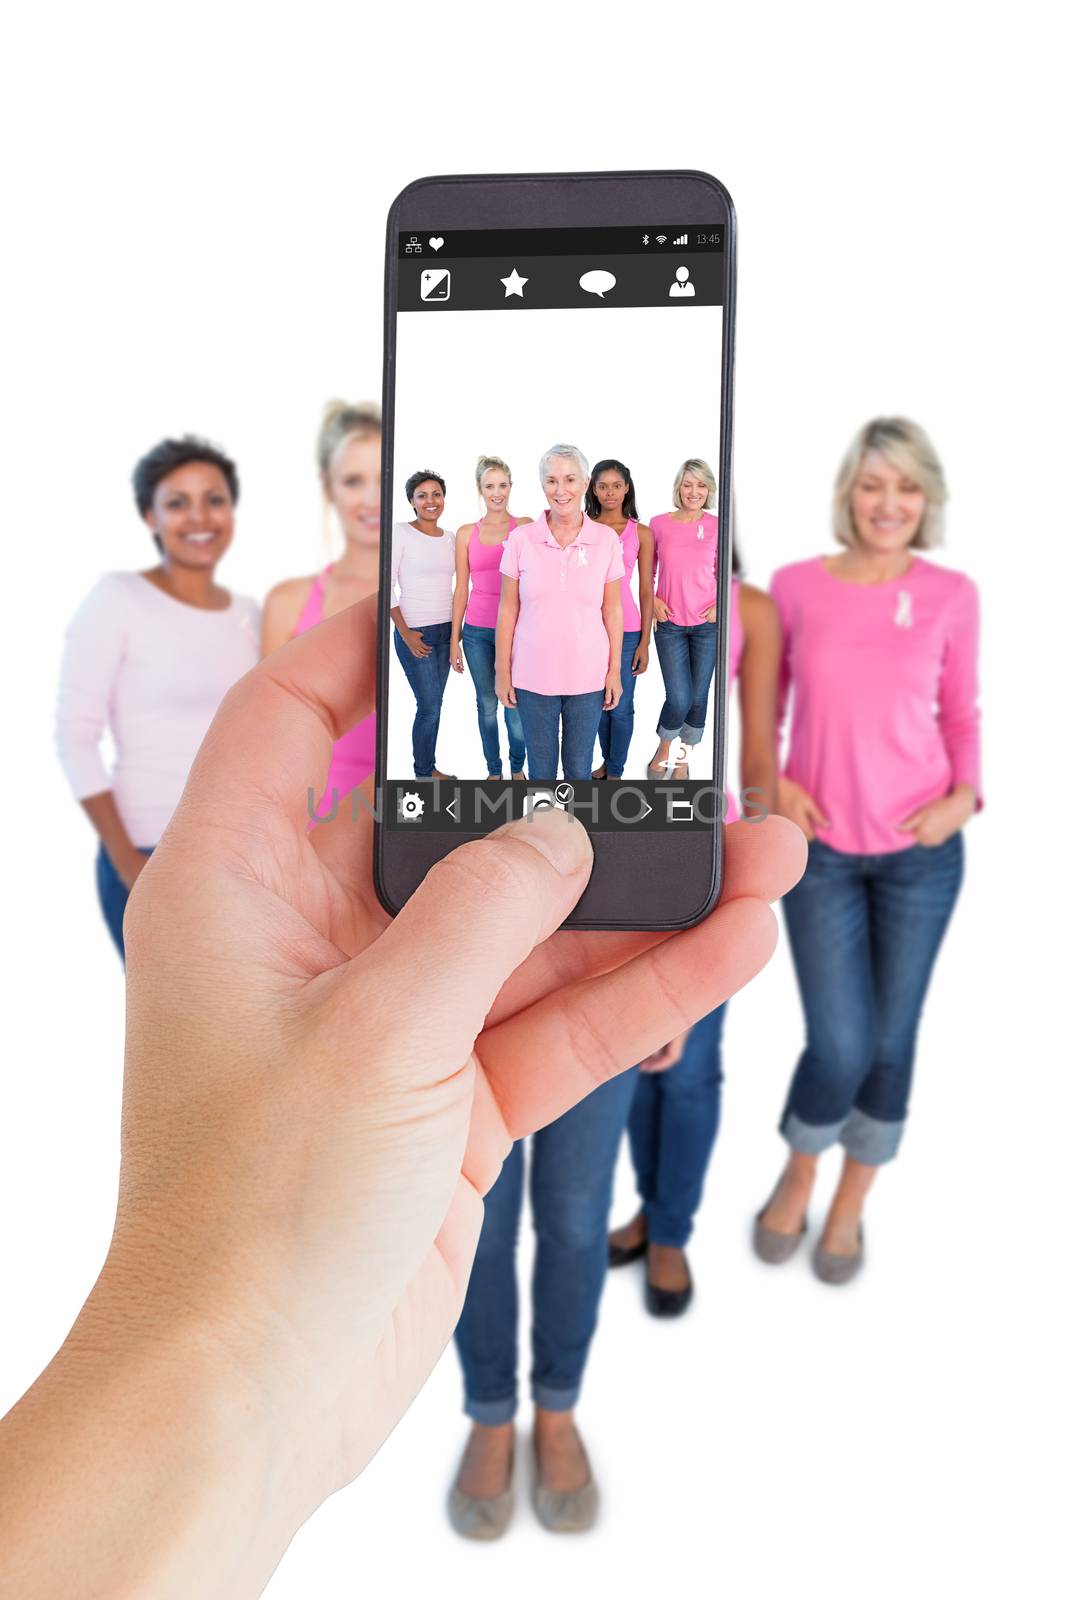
<point>151,671</point>
<point>883,682</point>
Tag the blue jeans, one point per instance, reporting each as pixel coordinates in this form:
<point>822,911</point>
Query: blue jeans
<point>616,727</point>
<point>673,1123</point>
<point>427,676</point>
<point>541,715</point>
<point>573,1162</point>
<point>479,647</point>
<point>113,895</point>
<point>864,932</point>
<point>687,661</point>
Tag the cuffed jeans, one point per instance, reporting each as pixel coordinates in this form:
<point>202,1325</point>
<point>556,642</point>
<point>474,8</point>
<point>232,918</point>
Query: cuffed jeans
<point>864,932</point>
<point>687,661</point>
<point>113,895</point>
<point>479,647</point>
<point>427,676</point>
<point>541,717</point>
<point>571,1170</point>
<point>673,1123</point>
<point>617,726</point>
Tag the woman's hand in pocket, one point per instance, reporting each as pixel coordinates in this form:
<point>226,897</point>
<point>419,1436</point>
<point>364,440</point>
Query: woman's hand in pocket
<point>800,807</point>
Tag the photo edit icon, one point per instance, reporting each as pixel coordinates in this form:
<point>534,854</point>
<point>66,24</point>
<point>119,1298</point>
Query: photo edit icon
<point>436,283</point>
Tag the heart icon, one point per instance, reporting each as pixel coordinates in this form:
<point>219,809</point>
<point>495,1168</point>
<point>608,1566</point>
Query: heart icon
<point>435,244</point>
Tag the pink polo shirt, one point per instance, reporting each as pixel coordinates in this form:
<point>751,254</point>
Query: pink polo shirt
<point>884,682</point>
<point>561,645</point>
<point>686,562</point>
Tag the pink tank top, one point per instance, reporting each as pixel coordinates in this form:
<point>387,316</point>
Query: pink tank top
<point>353,754</point>
<point>631,611</point>
<point>484,562</point>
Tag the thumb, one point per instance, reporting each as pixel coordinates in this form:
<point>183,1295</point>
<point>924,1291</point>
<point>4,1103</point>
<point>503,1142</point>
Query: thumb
<point>436,970</point>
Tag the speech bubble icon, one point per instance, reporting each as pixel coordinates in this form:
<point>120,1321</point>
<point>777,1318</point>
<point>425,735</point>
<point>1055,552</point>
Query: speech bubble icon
<point>597,282</point>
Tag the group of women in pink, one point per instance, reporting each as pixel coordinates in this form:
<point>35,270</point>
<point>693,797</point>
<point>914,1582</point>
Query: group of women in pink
<point>869,655</point>
<point>543,614</point>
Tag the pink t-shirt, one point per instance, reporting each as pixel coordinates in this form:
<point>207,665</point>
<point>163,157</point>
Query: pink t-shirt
<point>884,681</point>
<point>353,754</point>
<point>561,645</point>
<point>737,644</point>
<point>484,562</point>
<point>686,562</point>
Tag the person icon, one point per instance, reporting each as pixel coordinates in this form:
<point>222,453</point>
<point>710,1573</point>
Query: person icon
<point>682,289</point>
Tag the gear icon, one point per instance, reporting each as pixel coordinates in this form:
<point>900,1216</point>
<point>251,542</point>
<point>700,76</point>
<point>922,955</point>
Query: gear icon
<point>411,806</point>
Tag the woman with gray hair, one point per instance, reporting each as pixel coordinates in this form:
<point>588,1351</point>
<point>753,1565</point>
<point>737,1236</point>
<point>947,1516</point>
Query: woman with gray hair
<point>879,652</point>
<point>559,628</point>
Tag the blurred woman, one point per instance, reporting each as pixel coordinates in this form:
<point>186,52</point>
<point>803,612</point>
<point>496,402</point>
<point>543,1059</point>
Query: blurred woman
<point>610,500</point>
<point>148,657</point>
<point>479,546</point>
<point>348,455</point>
<point>674,1118</point>
<point>423,574</point>
<point>880,654</point>
<point>559,627</point>
<point>686,545</point>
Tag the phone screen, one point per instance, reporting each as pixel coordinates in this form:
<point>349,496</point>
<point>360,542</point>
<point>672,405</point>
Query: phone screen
<point>556,549</point>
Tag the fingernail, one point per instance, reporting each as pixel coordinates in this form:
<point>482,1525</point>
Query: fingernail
<point>557,835</point>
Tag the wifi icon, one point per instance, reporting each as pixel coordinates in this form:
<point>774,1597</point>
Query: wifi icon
<point>661,238</point>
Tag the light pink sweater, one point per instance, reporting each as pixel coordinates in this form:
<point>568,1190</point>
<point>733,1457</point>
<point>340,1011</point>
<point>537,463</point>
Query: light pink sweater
<point>884,681</point>
<point>152,671</point>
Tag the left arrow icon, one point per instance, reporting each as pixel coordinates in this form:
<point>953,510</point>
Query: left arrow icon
<point>453,809</point>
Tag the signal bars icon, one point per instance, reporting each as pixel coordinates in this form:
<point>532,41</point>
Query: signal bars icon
<point>683,238</point>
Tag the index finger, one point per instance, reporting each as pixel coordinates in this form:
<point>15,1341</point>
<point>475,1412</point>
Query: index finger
<point>273,735</point>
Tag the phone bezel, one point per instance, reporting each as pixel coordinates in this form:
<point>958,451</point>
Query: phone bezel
<point>655,863</point>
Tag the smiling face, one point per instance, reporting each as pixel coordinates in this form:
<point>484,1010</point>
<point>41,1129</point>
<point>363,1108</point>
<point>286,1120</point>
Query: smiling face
<point>693,492</point>
<point>192,515</point>
<point>353,487</point>
<point>610,489</point>
<point>428,500</point>
<point>496,488</point>
<point>564,485</point>
<point>887,506</point>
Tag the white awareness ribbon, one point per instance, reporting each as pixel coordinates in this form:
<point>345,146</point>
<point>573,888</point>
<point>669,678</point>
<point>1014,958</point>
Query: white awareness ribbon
<point>903,616</point>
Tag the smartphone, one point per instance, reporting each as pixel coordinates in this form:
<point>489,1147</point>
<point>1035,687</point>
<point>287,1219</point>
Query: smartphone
<point>556,478</point>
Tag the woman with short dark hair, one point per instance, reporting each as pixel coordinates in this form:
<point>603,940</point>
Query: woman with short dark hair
<point>148,657</point>
<point>423,576</point>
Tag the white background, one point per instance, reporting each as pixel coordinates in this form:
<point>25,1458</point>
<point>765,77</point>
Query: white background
<point>540,378</point>
<point>194,204</point>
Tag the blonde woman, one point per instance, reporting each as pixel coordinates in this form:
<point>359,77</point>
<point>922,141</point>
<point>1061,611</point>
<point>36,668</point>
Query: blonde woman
<point>479,547</point>
<point>685,543</point>
<point>348,455</point>
<point>880,656</point>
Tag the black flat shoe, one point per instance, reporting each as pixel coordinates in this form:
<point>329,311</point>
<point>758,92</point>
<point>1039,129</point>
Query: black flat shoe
<point>620,1255</point>
<point>667,1302</point>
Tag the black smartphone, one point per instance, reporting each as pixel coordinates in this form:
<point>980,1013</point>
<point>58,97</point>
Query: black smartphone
<point>555,552</point>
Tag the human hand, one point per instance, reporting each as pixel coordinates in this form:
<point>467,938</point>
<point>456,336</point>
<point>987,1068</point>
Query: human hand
<point>661,610</point>
<point>612,690</point>
<point>711,613</point>
<point>456,654</point>
<point>316,1099</point>
<point>666,1057</point>
<point>797,804</point>
<point>504,691</point>
<point>416,643</point>
<point>640,660</point>
<point>129,865</point>
<point>932,824</point>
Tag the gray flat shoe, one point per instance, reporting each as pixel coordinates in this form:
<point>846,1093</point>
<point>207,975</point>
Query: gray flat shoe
<point>481,1516</point>
<point>772,1247</point>
<point>831,1267</point>
<point>569,1511</point>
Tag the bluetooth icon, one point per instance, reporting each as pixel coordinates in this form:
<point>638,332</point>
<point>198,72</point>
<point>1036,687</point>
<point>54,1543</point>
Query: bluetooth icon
<point>645,239</point>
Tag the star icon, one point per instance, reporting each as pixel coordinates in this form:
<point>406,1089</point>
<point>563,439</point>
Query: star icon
<point>513,284</point>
